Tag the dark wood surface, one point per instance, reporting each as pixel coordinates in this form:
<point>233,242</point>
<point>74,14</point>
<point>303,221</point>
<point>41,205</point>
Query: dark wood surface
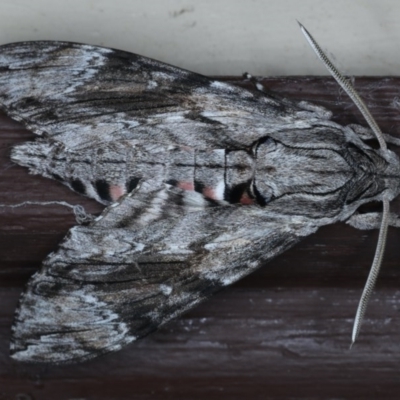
<point>281,333</point>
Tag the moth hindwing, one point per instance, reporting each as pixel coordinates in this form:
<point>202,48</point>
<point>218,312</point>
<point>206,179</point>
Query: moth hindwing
<point>204,183</point>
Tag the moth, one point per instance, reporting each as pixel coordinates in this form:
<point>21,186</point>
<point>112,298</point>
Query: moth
<point>204,182</point>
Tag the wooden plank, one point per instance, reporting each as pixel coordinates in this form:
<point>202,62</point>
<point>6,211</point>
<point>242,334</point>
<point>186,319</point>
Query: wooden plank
<point>283,332</point>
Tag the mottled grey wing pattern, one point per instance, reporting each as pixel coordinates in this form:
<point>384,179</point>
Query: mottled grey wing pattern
<point>107,119</point>
<point>149,258</point>
<point>81,95</point>
<point>159,250</point>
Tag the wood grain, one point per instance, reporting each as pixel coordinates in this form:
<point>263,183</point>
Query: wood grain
<point>283,332</point>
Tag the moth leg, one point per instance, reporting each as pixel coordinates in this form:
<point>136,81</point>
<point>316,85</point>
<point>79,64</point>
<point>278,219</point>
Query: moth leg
<point>372,220</point>
<point>320,111</point>
<point>366,134</point>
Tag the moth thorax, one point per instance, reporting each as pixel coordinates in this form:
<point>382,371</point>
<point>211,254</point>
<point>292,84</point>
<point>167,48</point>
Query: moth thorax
<point>283,169</point>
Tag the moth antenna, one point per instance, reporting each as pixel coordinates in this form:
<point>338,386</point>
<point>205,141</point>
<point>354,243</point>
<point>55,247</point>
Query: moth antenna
<point>373,273</point>
<point>380,248</point>
<point>346,86</point>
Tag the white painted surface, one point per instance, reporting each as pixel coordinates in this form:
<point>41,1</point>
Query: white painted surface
<point>221,37</point>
